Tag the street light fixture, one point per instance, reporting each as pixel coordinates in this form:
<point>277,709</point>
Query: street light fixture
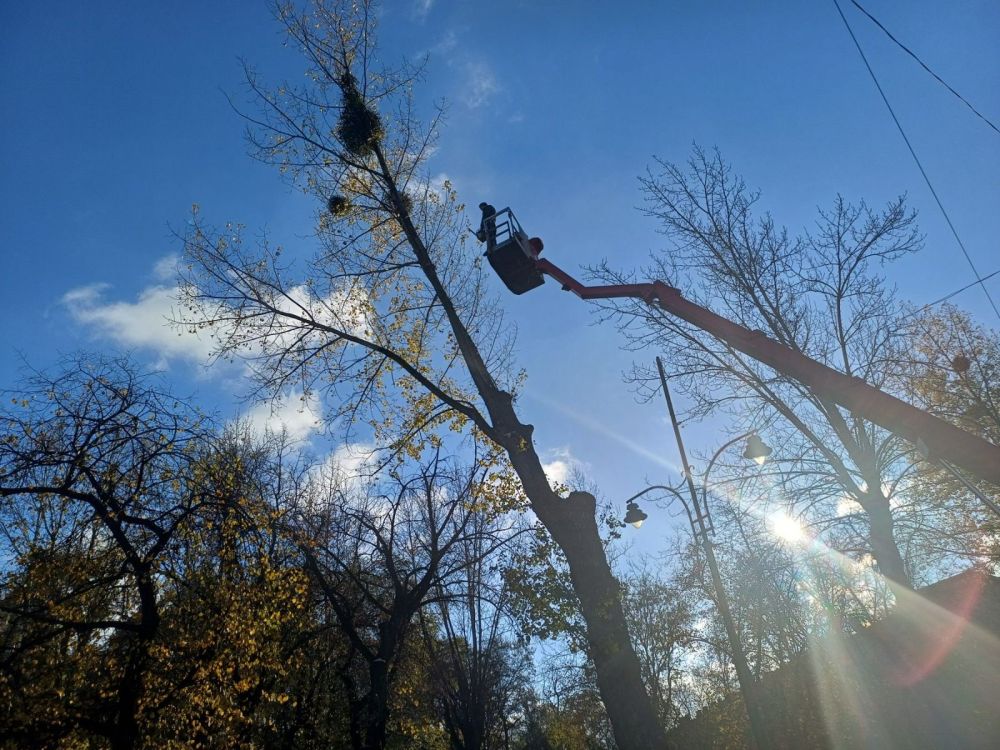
<point>757,449</point>
<point>634,515</point>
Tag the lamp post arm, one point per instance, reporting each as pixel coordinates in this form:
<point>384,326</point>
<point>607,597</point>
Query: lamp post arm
<point>718,453</point>
<point>677,495</point>
<point>708,471</point>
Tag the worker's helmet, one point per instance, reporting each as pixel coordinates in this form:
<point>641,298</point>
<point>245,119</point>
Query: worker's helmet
<point>483,205</point>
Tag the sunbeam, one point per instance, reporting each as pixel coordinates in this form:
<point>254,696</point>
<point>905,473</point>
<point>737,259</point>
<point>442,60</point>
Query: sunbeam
<point>602,429</point>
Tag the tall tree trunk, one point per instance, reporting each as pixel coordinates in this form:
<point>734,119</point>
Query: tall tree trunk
<point>377,708</point>
<point>883,543</point>
<point>571,522</point>
<point>355,707</point>
<point>619,677</point>
<point>125,733</point>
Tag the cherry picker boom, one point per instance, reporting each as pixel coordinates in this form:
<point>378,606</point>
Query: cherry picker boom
<point>515,259</point>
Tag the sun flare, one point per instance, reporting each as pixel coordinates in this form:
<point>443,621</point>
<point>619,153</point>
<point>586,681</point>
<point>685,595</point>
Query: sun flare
<point>787,528</point>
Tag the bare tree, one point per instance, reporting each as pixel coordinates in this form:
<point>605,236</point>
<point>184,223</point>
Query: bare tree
<point>477,659</point>
<point>661,617</point>
<point>820,294</point>
<point>379,554</point>
<point>391,319</point>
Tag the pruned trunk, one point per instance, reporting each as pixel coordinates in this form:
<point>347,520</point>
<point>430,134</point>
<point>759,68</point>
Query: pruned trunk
<point>618,674</point>
<point>571,522</point>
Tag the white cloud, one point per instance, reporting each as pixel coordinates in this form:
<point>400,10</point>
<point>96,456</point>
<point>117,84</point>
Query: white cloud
<point>345,309</point>
<point>347,465</point>
<point>448,42</point>
<point>436,184</point>
<point>433,186</point>
<point>421,8</point>
<point>298,416</point>
<point>481,84</point>
<point>143,324</point>
<point>442,47</point>
<point>166,268</point>
<point>561,465</point>
<point>338,479</point>
<point>557,471</point>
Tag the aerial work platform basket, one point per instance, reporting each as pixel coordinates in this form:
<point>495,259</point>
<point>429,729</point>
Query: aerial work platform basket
<point>511,253</point>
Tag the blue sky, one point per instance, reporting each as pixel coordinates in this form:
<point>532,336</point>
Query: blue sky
<point>115,123</point>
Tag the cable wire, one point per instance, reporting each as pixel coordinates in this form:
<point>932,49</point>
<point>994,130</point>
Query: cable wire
<point>949,296</point>
<point>916,159</point>
<point>923,65</point>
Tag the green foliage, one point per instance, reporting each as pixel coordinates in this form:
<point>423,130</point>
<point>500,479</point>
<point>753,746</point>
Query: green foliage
<point>539,580</point>
<point>543,593</point>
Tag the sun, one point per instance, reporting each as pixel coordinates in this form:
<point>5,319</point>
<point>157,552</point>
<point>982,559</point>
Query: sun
<point>787,528</point>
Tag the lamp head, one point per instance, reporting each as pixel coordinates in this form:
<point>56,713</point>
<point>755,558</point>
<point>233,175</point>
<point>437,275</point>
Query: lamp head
<point>634,516</point>
<point>757,449</point>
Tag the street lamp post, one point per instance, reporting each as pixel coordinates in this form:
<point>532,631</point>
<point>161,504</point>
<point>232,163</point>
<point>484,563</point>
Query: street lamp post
<point>755,449</point>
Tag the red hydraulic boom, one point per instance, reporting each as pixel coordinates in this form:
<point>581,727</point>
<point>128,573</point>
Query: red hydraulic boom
<point>942,439</point>
<point>933,436</point>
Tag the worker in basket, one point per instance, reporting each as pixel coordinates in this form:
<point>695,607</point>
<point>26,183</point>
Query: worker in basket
<point>511,254</point>
<point>488,226</point>
<point>487,233</point>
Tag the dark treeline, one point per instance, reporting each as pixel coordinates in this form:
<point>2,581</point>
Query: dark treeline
<point>171,583</point>
<point>167,583</point>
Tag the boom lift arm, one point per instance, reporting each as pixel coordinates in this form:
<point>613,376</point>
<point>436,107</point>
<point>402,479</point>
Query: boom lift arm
<point>522,270</point>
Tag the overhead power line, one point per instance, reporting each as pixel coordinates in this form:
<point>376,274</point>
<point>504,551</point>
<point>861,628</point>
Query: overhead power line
<point>916,159</point>
<point>947,297</point>
<point>924,65</point>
